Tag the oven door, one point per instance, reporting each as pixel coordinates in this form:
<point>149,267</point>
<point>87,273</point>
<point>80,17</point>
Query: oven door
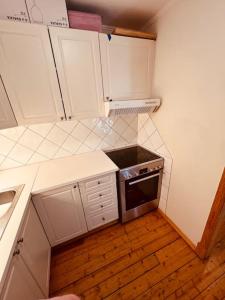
<point>140,194</point>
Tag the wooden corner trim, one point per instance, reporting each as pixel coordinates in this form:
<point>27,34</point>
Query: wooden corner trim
<point>178,230</point>
<point>211,224</point>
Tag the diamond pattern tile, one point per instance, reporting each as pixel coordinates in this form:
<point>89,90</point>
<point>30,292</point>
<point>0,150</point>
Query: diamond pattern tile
<point>52,140</point>
<point>149,137</point>
<point>39,142</point>
<point>30,139</point>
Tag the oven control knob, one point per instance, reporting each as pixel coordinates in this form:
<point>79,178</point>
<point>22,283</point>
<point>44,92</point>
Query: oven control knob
<point>127,175</point>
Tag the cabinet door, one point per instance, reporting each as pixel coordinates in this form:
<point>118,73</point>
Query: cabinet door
<point>19,283</point>
<point>35,249</point>
<point>28,72</point>
<point>77,58</point>
<point>127,65</point>
<point>61,213</point>
<point>7,118</point>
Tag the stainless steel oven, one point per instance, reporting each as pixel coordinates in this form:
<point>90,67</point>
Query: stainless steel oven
<point>139,189</point>
<point>139,180</point>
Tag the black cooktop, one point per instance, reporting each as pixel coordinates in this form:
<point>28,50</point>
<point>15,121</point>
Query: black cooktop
<point>131,156</point>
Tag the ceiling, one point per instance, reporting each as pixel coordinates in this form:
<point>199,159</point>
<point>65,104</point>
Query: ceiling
<point>125,13</point>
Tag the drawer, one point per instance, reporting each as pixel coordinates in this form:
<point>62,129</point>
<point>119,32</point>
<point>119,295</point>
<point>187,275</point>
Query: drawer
<point>98,207</point>
<point>99,195</point>
<point>98,182</point>
<point>104,217</point>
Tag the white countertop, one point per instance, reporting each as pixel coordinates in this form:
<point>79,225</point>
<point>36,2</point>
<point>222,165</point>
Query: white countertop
<point>56,173</point>
<point>41,177</point>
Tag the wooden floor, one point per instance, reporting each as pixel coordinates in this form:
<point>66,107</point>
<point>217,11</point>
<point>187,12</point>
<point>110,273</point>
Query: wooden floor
<point>143,259</point>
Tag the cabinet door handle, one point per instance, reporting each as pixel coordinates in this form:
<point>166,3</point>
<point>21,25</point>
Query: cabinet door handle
<point>62,118</point>
<point>20,241</point>
<point>99,182</point>
<point>103,219</point>
<point>100,195</point>
<point>70,117</point>
<point>16,252</point>
<point>74,186</point>
<point>102,206</point>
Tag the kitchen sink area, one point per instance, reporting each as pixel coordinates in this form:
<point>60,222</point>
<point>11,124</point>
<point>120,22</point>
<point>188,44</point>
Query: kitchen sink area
<point>8,200</point>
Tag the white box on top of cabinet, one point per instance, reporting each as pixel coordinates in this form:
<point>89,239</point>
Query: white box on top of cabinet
<point>14,10</point>
<point>50,12</point>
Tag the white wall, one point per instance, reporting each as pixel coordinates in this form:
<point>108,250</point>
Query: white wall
<point>190,78</point>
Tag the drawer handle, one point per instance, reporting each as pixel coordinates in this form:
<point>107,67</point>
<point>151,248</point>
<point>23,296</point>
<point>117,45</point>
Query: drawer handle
<point>99,182</point>
<point>16,252</point>
<point>20,241</point>
<point>102,206</point>
<point>100,195</point>
<point>103,219</point>
<point>74,186</point>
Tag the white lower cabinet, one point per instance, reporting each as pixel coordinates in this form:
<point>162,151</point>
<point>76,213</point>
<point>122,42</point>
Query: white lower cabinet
<point>35,249</point>
<point>28,276</point>
<point>99,197</point>
<point>72,210</point>
<point>61,213</point>
<point>20,284</point>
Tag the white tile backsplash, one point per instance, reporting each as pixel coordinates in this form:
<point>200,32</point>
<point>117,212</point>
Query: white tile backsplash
<point>39,142</point>
<point>149,137</point>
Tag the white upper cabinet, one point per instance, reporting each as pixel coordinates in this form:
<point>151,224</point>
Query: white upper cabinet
<point>77,58</point>
<point>127,65</point>
<point>28,72</point>
<point>7,118</point>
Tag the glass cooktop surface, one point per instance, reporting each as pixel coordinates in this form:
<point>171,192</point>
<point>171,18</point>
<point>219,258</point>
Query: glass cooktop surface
<point>131,156</point>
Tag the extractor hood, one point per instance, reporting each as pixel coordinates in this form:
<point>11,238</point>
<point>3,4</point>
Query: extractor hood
<point>131,106</point>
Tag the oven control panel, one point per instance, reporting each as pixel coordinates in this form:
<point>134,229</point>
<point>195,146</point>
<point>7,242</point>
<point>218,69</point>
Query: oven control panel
<point>135,171</point>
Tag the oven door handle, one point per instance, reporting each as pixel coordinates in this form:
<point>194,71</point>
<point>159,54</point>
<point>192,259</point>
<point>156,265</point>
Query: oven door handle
<point>143,179</point>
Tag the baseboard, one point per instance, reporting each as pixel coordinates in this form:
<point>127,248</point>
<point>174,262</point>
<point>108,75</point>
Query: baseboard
<point>184,237</point>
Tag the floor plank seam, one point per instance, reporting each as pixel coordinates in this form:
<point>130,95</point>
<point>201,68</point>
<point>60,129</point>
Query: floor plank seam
<point>120,259</point>
<point>210,285</point>
<point>163,279</point>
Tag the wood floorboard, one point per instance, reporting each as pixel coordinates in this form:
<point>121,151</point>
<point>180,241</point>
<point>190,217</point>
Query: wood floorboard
<point>143,259</point>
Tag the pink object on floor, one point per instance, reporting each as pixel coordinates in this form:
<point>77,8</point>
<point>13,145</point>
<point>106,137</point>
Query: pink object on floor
<point>66,297</point>
<point>86,21</point>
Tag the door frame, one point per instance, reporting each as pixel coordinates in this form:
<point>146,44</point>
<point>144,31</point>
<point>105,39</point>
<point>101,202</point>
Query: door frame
<point>209,236</point>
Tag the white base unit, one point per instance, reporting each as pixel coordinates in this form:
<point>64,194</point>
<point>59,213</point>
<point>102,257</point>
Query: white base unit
<point>28,275</point>
<point>61,213</point>
<point>72,210</point>
<point>99,197</point>
<point>19,283</point>
<point>35,249</point>
<point>102,217</point>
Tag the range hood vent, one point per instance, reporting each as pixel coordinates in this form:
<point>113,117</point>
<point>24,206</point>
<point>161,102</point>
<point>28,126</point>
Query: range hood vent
<point>131,106</point>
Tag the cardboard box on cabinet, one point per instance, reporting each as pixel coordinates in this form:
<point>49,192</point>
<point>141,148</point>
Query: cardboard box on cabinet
<point>14,10</point>
<point>48,12</point>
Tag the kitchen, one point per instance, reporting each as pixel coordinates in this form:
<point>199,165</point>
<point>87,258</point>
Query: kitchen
<point>79,98</point>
